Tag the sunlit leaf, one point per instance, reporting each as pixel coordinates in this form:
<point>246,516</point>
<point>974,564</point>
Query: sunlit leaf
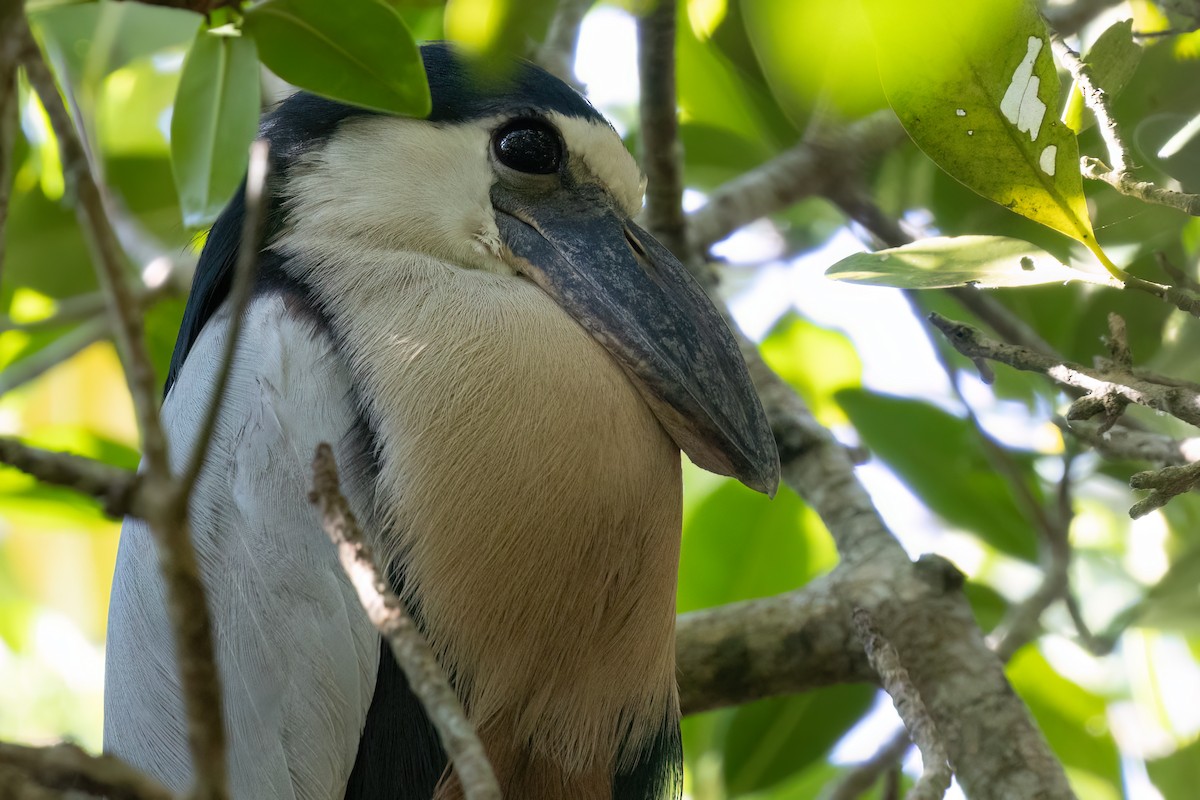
<point>771,740</point>
<point>975,86</point>
<point>815,52</point>
<point>214,121</point>
<point>738,545</point>
<point>1112,61</point>
<point>496,30</point>
<point>356,51</point>
<point>1176,776</point>
<point>942,459</point>
<point>986,262</point>
<point>815,361</point>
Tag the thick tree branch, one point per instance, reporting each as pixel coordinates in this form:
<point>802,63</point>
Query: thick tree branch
<point>886,661</point>
<point>778,645</point>
<point>662,155</point>
<point>557,53</point>
<point>65,767</point>
<point>388,614</point>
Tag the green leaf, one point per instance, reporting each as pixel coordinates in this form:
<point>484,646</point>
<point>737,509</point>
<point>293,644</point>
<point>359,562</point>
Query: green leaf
<point>1112,59</point>
<point>1072,718</point>
<point>815,361</point>
<point>738,545</point>
<point>1178,774</point>
<point>356,51</point>
<point>974,85</point>
<point>214,121</point>
<point>942,459</point>
<point>771,740</point>
<point>987,262</point>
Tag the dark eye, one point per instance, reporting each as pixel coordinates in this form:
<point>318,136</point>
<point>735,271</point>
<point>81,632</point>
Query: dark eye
<point>529,145</point>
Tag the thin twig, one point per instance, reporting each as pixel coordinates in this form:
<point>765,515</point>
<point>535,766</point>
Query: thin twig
<point>1127,184</point>
<point>935,779</point>
<point>1096,99</point>
<point>389,615</point>
<point>1120,443</point>
<point>557,53</point>
<point>67,767</point>
<point>1119,175</point>
<point>805,170</point>
<point>662,155</point>
<point>239,297</point>
<point>55,353</point>
<point>114,487</point>
<point>10,47</point>
<point>163,508</point>
<point>124,309</point>
<point>1106,389</point>
<point>864,775</point>
<point>1163,484</point>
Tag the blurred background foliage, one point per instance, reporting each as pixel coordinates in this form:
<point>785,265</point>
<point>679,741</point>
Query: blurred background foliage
<point>954,472</point>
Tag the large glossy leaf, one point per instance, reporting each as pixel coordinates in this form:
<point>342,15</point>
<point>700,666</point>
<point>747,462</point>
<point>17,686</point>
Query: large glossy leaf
<point>739,545</point>
<point>214,121</point>
<point>356,51</point>
<point>771,740</point>
<point>942,262</point>
<point>942,459</point>
<point>1073,719</point>
<point>814,52</point>
<point>975,86</point>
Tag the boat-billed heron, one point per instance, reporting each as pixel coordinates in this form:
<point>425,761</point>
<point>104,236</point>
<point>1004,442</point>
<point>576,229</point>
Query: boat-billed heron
<point>507,367</point>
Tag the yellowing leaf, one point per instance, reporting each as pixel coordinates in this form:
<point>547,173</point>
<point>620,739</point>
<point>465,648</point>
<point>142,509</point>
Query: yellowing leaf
<point>975,87</point>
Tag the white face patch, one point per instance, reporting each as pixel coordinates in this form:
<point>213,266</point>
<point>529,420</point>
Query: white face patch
<point>1020,104</point>
<point>604,156</point>
<point>406,185</point>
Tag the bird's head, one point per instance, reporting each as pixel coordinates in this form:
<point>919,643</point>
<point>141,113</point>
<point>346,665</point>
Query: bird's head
<point>521,176</point>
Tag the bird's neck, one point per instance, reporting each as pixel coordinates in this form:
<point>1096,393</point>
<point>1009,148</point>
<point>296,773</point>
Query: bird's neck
<point>533,501</point>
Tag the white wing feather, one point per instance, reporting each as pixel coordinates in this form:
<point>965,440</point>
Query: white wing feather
<point>297,655</point>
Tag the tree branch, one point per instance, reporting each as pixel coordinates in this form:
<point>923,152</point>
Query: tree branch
<point>115,488</point>
<point>935,779</point>
<point>10,53</point>
<point>662,155</point>
<point>778,645</point>
<point>388,614</point>
<point>244,271</point>
<point>159,501</point>
<point>557,53</point>
<point>65,767</point>
<point>1109,391</point>
<point>806,170</point>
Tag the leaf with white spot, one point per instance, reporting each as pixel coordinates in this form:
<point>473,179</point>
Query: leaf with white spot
<point>986,262</point>
<point>975,86</point>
